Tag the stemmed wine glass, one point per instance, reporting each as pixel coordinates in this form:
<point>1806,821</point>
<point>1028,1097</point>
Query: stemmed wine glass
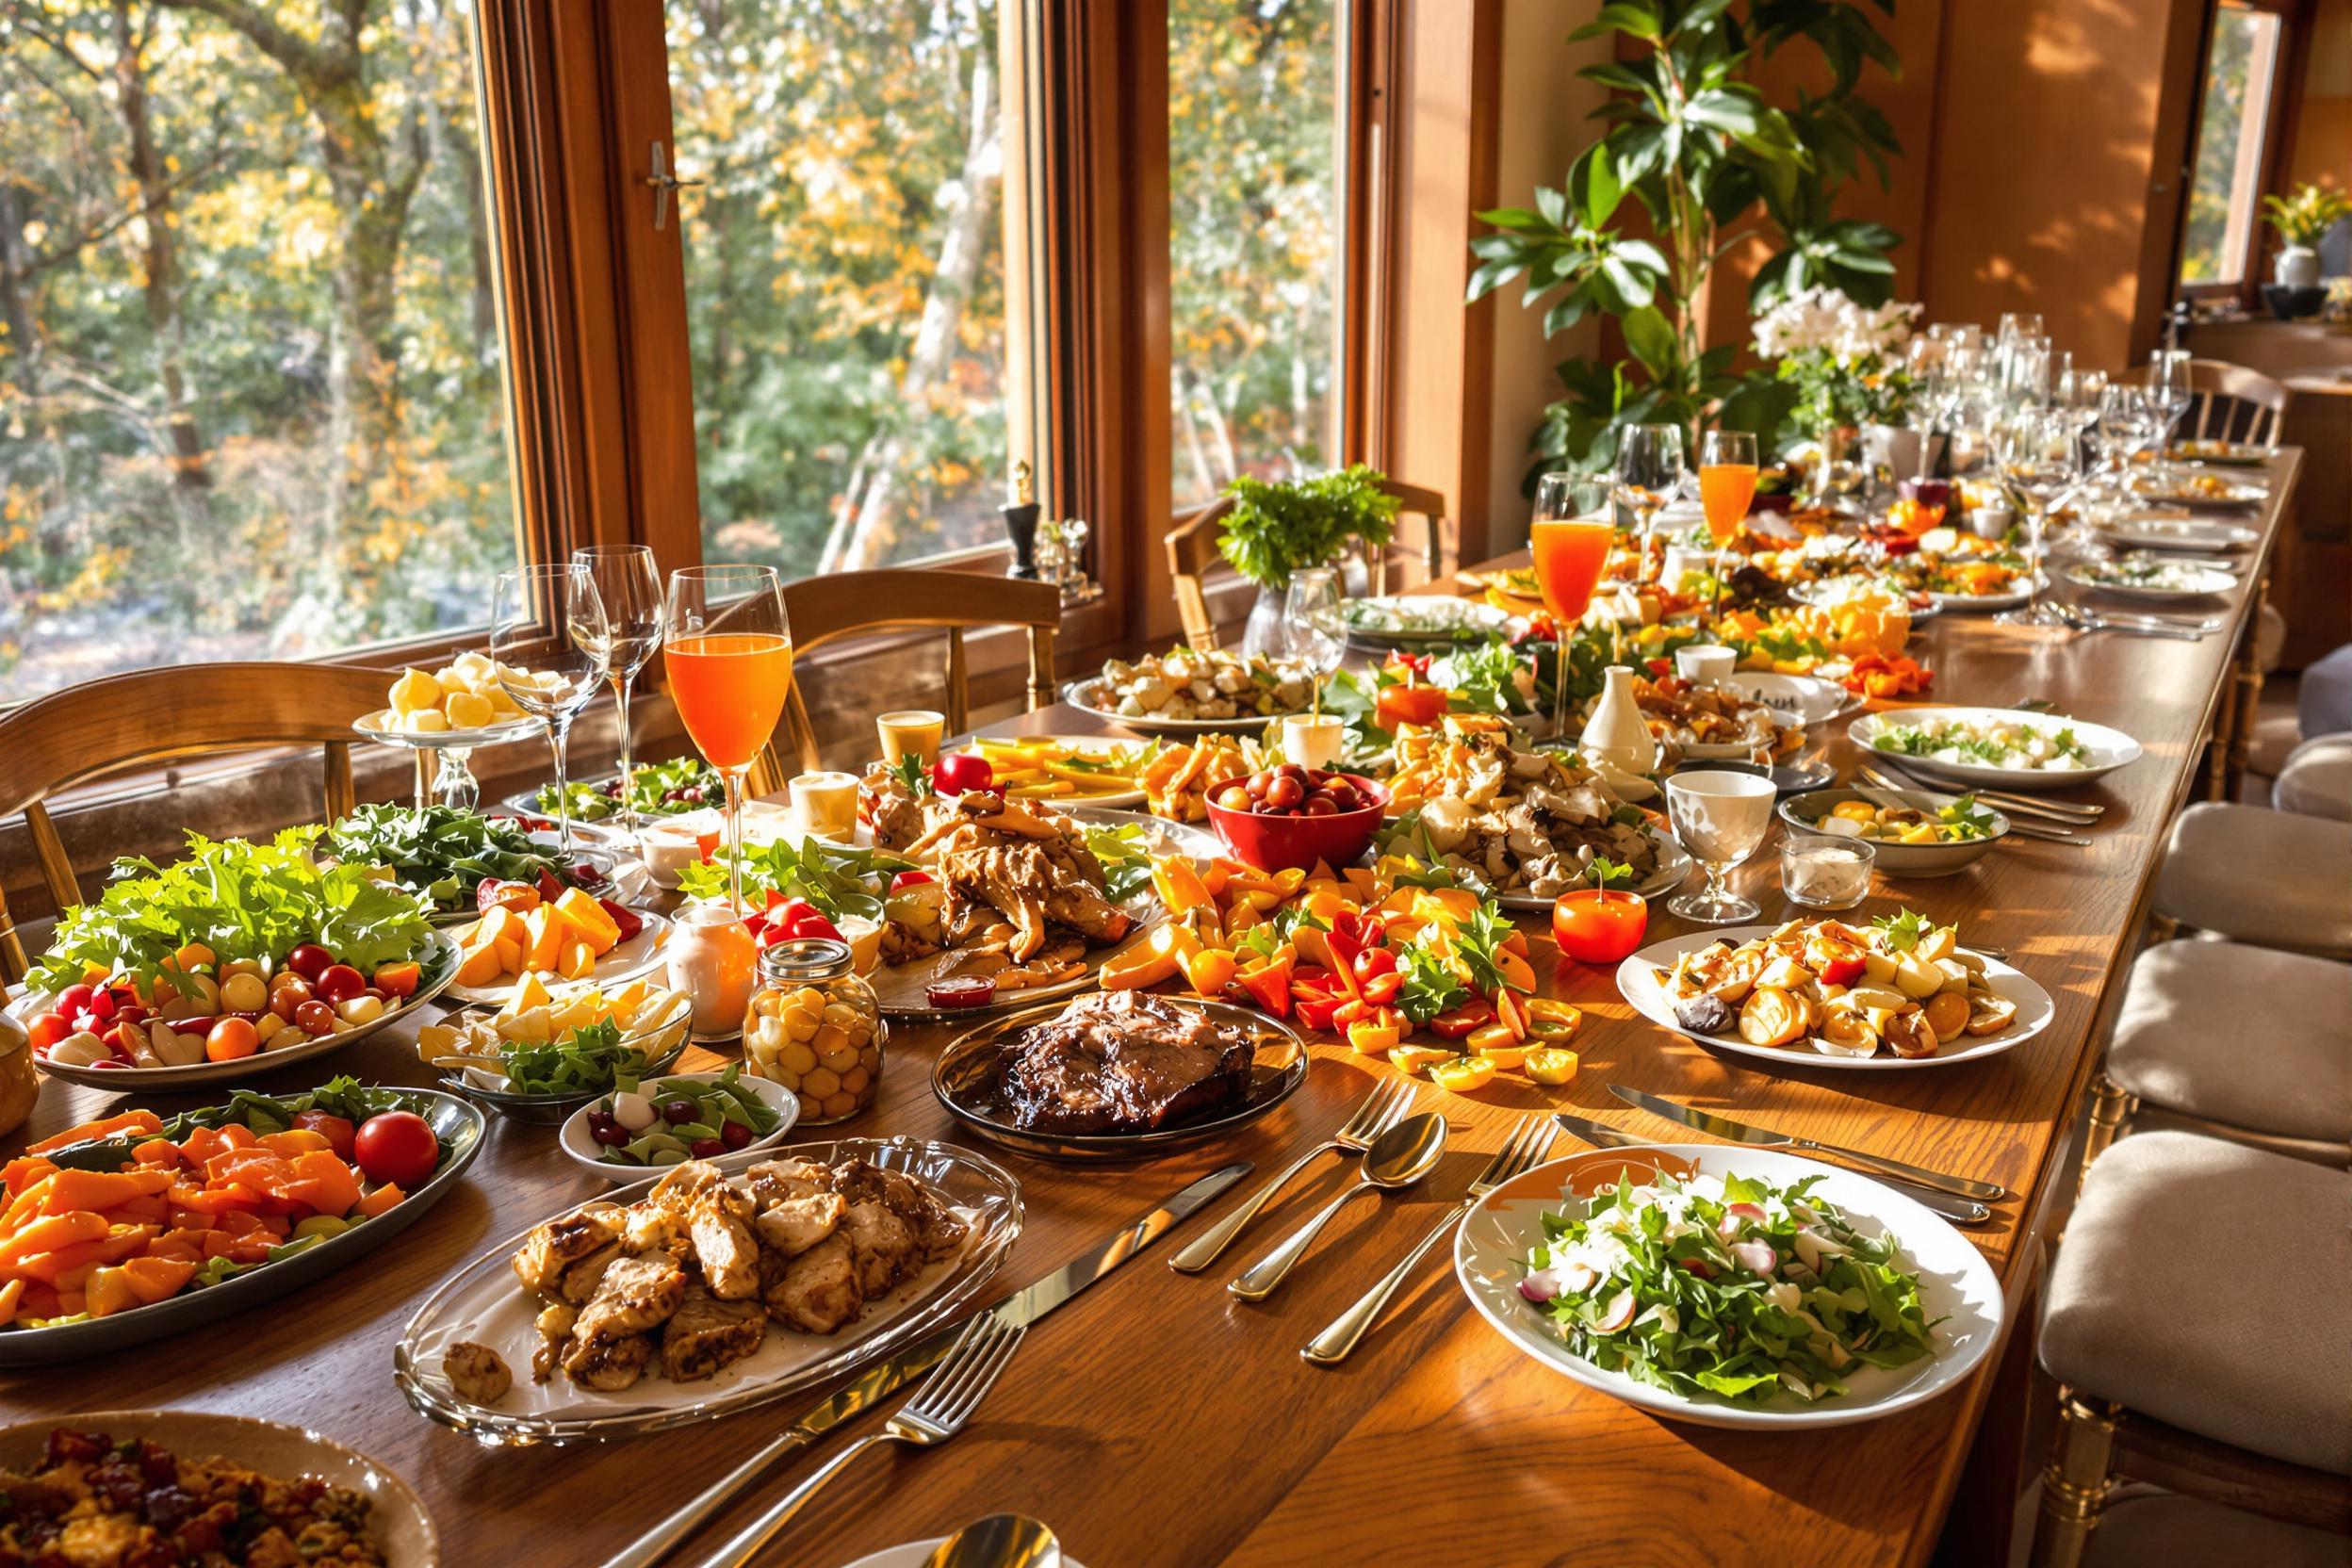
<point>730,656</point>
<point>2169,395</point>
<point>1728,475</point>
<point>1720,817</point>
<point>1314,632</point>
<point>2023,449</point>
<point>549,636</point>
<point>1647,476</point>
<point>629,585</point>
<point>1570,538</point>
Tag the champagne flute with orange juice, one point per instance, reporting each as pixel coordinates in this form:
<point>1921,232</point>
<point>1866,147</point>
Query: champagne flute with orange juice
<point>1728,472</point>
<point>729,654</point>
<point>1570,538</point>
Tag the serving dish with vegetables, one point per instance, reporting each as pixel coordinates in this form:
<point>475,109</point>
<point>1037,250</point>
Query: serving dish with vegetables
<point>180,975</point>
<point>669,789</point>
<point>2152,579</point>
<point>1914,833</point>
<point>547,1052</point>
<point>1996,747</point>
<point>123,1230</point>
<point>1730,1287</point>
<point>445,854</point>
<point>1188,691</point>
<point>658,1122</point>
<point>1415,620</point>
<point>1901,992</point>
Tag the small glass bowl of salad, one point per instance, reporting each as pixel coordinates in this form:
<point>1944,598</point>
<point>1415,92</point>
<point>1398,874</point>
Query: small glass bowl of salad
<point>642,1129</point>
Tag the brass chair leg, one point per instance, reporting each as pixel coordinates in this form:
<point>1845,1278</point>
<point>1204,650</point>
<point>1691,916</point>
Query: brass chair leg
<point>2076,1484</point>
<point>2112,1107</point>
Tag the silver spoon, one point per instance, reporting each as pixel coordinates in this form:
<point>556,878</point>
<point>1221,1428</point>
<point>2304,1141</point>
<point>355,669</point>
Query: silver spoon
<point>1397,1159</point>
<point>999,1541</point>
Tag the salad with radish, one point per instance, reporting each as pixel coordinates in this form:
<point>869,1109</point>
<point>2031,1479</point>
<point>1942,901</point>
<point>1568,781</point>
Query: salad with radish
<point>1725,1285</point>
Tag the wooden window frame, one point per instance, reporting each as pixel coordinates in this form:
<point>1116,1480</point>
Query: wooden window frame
<point>2285,98</point>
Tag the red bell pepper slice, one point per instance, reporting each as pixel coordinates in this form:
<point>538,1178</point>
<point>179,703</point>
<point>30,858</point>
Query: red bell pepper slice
<point>1382,989</point>
<point>1269,984</point>
<point>1462,1022</point>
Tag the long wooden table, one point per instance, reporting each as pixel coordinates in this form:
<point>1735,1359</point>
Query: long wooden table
<point>1159,1421</point>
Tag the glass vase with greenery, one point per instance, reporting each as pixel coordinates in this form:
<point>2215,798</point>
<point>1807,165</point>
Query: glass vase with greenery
<point>1692,140</point>
<point>1277,526</point>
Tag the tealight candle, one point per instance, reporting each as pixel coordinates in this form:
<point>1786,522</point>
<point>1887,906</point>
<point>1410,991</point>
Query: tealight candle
<point>1313,740</point>
<point>910,732</point>
<point>1704,662</point>
<point>1822,871</point>
<point>1992,522</point>
<point>827,803</point>
<point>711,958</point>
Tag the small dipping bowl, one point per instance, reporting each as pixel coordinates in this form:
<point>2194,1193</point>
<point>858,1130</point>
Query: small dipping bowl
<point>1821,871</point>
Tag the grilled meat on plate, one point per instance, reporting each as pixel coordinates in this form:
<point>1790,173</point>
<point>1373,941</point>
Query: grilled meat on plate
<point>1125,1062</point>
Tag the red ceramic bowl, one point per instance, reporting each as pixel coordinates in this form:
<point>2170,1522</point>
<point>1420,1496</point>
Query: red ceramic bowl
<point>1296,843</point>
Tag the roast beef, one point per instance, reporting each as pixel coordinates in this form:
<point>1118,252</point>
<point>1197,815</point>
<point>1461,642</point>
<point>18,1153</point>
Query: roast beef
<point>1125,1062</point>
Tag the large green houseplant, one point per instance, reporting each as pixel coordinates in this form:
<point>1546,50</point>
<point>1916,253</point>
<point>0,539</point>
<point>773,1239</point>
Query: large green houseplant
<point>1693,142</point>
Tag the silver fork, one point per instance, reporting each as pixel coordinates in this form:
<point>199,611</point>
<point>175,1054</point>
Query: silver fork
<point>949,1396</point>
<point>1379,1111</point>
<point>1528,1143</point>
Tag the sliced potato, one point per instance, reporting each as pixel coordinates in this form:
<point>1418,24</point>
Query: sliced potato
<point>1956,974</point>
<point>1990,1015</point>
<point>1879,968</point>
<point>1917,977</point>
<point>1770,1017</point>
<point>1783,973</point>
<point>1948,1013</point>
<point>1910,1035</point>
<point>1939,943</point>
<point>1878,999</point>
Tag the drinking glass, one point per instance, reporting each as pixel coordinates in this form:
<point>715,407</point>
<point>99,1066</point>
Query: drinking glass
<point>1570,538</point>
<point>1728,472</point>
<point>730,653</point>
<point>1312,630</point>
<point>1647,476</point>
<point>629,585</point>
<point>2034,452</point>
<point>1720,817</point>
<point>2169,396</point>
<point>548,635</point>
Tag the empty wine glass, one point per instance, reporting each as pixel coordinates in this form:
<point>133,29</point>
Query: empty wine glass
<point>2169,395</point>
<point>1314,632</point>
<point>1720,817</point>
<point>549,633</point>
<point>1647,476</point>
<point>629,585</point>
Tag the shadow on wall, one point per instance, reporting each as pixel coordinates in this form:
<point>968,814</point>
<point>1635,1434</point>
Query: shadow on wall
<point>2043,168</point>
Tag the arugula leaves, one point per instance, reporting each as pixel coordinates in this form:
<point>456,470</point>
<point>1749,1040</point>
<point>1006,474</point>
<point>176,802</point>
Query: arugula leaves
<point>243,900</point>
<point>836,878</point>
<point>439,852</point>
<point>1903,932</point>
<point>1431,986</point>
<point>693,783</point>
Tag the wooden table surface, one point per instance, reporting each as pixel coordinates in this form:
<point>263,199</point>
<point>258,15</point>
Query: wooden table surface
<point>1159,1421</point>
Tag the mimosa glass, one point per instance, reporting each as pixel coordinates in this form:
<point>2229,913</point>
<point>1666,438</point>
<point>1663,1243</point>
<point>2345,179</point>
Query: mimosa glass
<point>1728,472</point>
<point>1571,549</point>
<point>730,653</point>
<point>629,585</point>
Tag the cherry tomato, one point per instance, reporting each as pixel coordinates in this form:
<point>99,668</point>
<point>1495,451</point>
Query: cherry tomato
<point>814,923</point>
<point>397,1147</point>
<point>397,980</point>
<point>48,1029</point>
<point>1319,805</point>
<point>315,1017</point>
<point>1374,960</point>
<point>231,1039</point>
<point>910,879</point>
<point>310,961</point>
<point>287,993</point>
<point>1461,1020</point>
<point>339,982</point>
<point>1285,794</point>
<point>75,1000</point>
<point>1234,797</point>
<point>961,772</point>
<point>336,1129</point>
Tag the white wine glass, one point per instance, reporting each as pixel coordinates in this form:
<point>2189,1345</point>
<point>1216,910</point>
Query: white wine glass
<point>2169,395</point>
<point>548,635</point>
<point>1720,817</point>
<point>1647,476</point>
<point>629,585</point>
<point>1314,633</point>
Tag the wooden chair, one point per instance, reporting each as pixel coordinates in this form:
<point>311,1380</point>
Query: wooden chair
<point>147,716</point>
<point>2229,403</point>
<point>823,608</point>
<point>1192,549</point>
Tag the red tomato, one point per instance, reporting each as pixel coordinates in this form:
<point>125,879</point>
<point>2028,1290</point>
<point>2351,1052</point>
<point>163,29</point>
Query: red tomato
<point>74,999</point>
<point>814,923</point>
<point>1397,706</point>
<point>1374,960</point>
<point>397,1147</point>
<point>48,1029</point>
<point>961,770</point>
<point>230,1039</point>
<point>309,960</point>
<point>315,1017</point>
<point>336,1129</point>
<point>286,995</point>
<point>910,879</point>
<point>339,982</point>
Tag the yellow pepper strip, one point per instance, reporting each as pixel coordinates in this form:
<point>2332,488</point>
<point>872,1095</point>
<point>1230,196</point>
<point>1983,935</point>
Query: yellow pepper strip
<point>1369,1038</point>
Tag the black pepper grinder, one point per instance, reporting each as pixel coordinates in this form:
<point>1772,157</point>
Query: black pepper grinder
<point>1020,525</point>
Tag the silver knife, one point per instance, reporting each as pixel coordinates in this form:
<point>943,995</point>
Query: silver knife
<point>1740,1131</point>
<point>1960,1211</point>
<point>886,1377</point>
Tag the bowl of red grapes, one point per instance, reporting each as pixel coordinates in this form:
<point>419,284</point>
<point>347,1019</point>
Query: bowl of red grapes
<point>1289,817</point>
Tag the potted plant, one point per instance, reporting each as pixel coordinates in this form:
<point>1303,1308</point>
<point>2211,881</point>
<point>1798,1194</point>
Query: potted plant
<point>2303,218</point>
<point>1276,528</point>
<point>1838,358</point>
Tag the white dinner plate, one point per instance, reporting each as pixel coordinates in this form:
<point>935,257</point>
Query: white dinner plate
<point>1637,983</point>
<point>625,961</point>
<point>2197,582</point>
<point>1957,1288</point>
<point>1439,621</point>
<point>396,1518</point>
<point>483,1303</point>
<point>915,1554</point>
<point>1086,745</point>
<point>379,725</point>
<point>2229,496</point>
<point>2109,749</point>
<point>2179,534</point>
<point>1805,700</point>
<point>1086,696</point>
<point>2008,598</point>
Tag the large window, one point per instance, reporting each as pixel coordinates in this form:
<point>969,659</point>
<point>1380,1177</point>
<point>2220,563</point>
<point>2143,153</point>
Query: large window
<point>1254,229</point>
<point>250,376</point>
<point>2225,174</point>
<point>845,277</point>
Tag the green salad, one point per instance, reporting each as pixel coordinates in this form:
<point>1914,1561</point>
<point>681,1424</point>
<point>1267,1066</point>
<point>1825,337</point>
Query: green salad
<point>656,790</point>
<point>1726,1286</point>
<point>439,852</point>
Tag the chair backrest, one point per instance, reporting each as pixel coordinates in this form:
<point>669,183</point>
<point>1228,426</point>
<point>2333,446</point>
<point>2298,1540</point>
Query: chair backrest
<point>2231,403</point>
<point>122,720</point>
<point>822,609</point>
<point>1192,547</point>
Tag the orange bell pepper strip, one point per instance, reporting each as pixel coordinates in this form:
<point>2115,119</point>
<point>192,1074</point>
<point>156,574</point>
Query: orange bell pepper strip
<point>59,1266</point>
<point>160,1153</point>
<point>153,1278</point>
<point>1268,983</point>
<point>295,1141</point>
<point>1209,971</point>
<point>106,1127</point>
<point>20,1174</point>
<point>324,1184</point>
<point>381,1201</point>
<point>101,1191</point>
<point>48,1232</point>
<point>12,1296</point>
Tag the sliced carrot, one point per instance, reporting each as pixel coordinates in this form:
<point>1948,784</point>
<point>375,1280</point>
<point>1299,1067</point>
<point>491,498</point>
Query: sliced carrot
<point>381,1200</point>
<point>153,1278</point>
<point>101,1191</point>
<point>129,1121</point>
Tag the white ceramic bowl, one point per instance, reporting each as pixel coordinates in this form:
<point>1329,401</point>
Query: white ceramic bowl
<point>583,1150</point>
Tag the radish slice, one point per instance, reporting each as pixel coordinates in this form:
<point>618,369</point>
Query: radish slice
<point>1616,1314</point>
<point>1696,1267</point>
<point>1576,1279</point>
<point>1756,1257</point>
<point>1728,1226</point>
<point>1539,1286</point>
